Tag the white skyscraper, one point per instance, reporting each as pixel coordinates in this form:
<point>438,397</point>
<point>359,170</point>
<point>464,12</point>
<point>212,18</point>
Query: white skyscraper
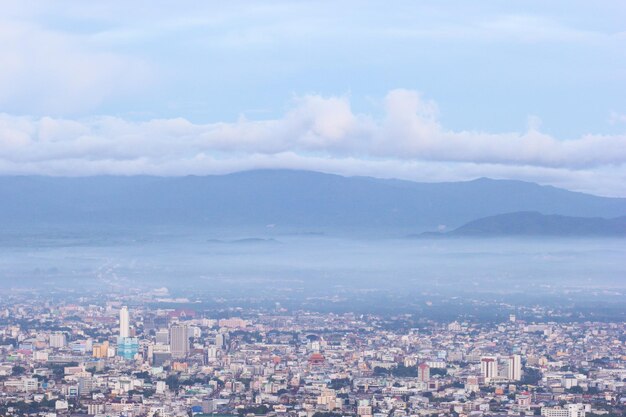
<point>124,320</point>
<point>514,368</point>
<point>489,367</point>
<point>179,340</point>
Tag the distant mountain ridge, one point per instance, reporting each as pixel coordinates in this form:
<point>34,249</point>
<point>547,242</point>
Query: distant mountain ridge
<point>280,201</point>
<point>537,224</point>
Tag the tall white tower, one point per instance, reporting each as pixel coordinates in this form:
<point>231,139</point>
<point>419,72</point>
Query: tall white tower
<point>515,368</point>
<point>124,326</point>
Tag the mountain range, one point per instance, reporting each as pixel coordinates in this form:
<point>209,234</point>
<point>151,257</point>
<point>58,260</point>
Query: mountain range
<point>282,200</point>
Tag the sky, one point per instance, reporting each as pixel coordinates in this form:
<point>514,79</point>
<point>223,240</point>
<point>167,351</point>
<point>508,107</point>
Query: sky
<point>420,90</point>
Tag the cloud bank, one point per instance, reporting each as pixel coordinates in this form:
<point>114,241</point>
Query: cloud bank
<point>407,140</point>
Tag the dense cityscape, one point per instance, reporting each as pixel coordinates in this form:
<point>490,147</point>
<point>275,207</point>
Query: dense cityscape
<point>142,354</point>
<point>313,208</point>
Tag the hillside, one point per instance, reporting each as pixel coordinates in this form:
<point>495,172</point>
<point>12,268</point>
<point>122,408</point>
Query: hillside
<point>537,224</point>
<point>282,200</point>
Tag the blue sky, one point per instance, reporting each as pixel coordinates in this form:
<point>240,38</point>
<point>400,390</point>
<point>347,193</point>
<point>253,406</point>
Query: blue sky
<point>423,90</point>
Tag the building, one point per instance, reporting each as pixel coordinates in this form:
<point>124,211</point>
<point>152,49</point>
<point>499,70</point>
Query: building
<point>85,385</point>
<point>317,359</point>
<point>124,322</point>
<point>220,340</point>
<point>162,337</point>
<point>233,323</point>
<point>127,347</point>
<point>471,384</point>
<point>100,350</point>
<point>328,399</point>
<point>423,372</point>
<point>58,340</point>
<point>161,358</point>
<point>179,341</point>
<point>489,367</point>
<point>454,326</point>
<point>569,410</point>
<point>30,384</point>
<point>364,408</point>
<point>514,368</point>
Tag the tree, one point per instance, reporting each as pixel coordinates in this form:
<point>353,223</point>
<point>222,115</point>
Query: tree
<point>339,383</point>
<point>404,371</point>
<point>145,375</point>
<point>258,410</point>
<point>18,370</point>
<point>531,376</point>
<point>380,371</point>
<point>172,382</point>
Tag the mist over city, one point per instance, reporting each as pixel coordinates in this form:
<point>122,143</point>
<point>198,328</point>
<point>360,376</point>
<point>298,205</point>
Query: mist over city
<point>313,209</point>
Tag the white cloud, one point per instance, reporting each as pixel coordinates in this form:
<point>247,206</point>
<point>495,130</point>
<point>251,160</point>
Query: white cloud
<point>408,141</point>
<point>617,118</point>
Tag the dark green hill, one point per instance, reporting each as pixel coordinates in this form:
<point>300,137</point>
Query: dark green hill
<point>537,224</point>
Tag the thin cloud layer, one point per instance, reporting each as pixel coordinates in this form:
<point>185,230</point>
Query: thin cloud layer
<point>407,140</point>
<point>43,70</point>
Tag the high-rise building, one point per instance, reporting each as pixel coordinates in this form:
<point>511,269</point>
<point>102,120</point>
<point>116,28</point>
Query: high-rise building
<point>127,347</point>
<point>124,322</point>
<point>220,340</point>
<point>85,385</point>
<point>58,340</point>
<point>489,367</point>
<point>101,350</point>
<point>423,372</point>
<point>179,340</point>
<point>514,368</point>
